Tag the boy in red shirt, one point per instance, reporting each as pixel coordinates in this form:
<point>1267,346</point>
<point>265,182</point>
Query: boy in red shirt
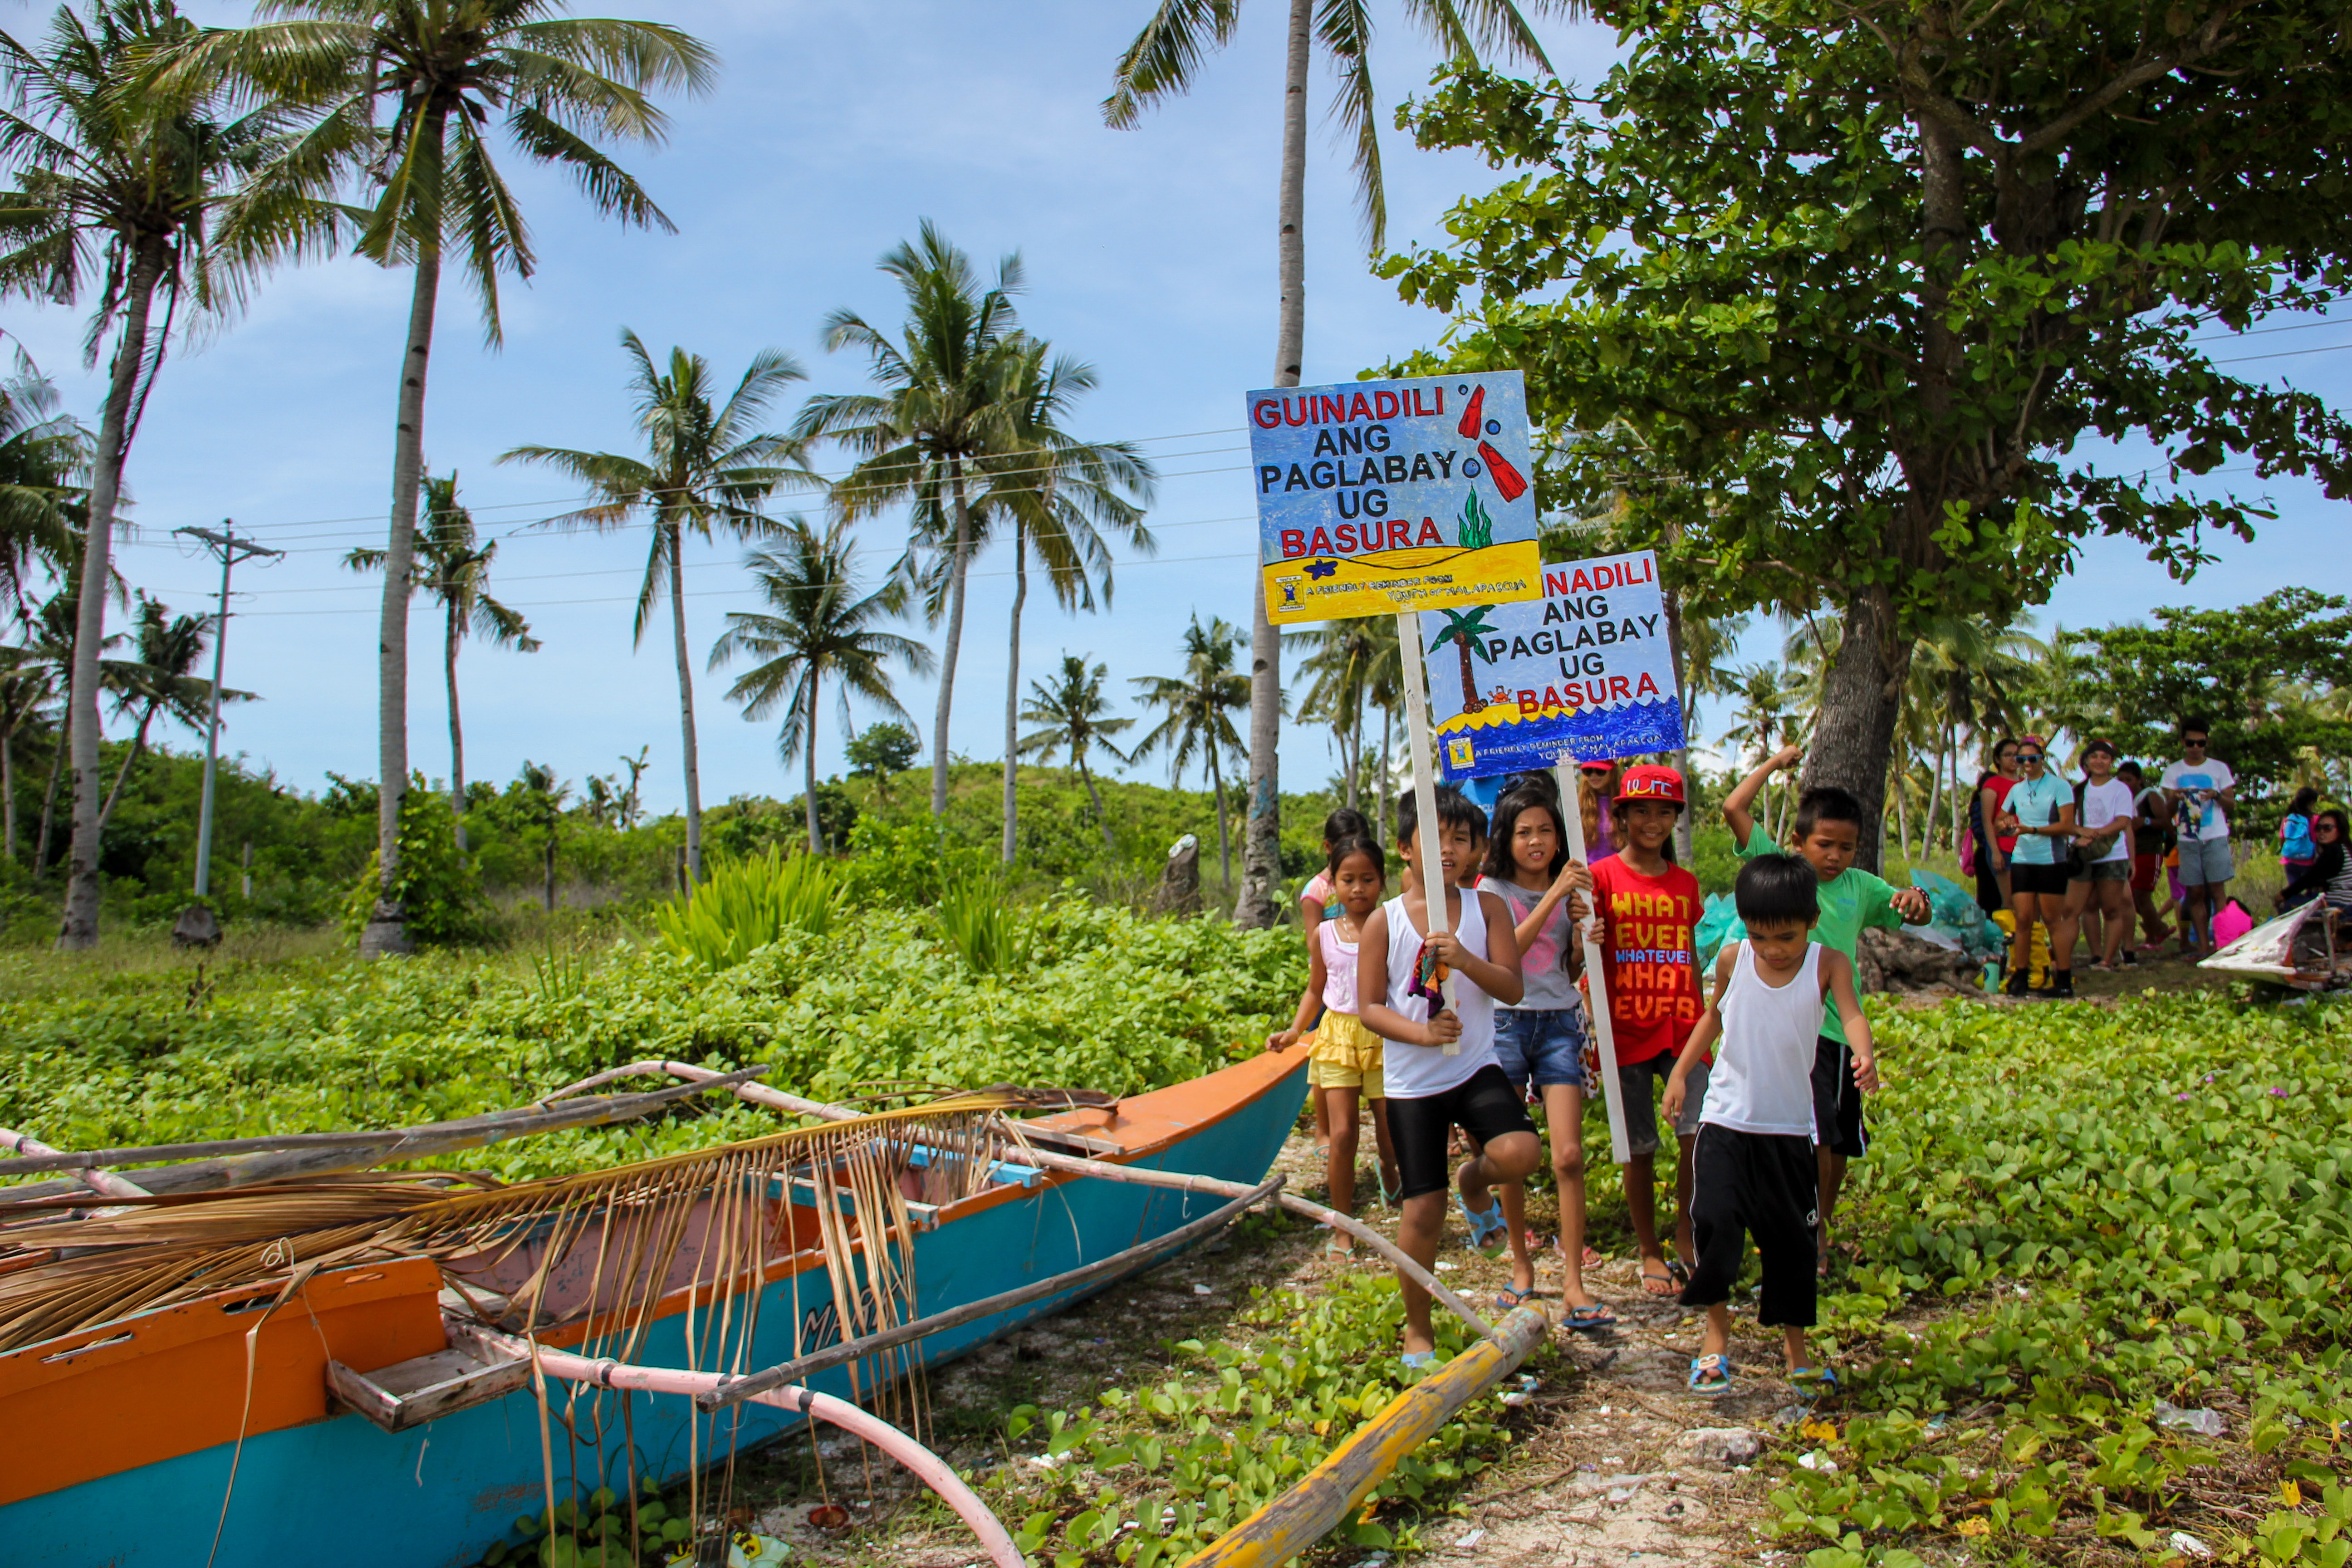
<point>1645,910</point>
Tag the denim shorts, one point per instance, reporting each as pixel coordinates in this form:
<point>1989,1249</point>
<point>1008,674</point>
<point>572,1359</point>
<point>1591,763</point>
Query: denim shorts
<point>1541,1046</point>
<point>2205,861</point>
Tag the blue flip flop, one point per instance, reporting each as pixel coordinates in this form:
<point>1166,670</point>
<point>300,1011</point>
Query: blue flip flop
<point>1489,1232</point>
<point>1417,1361</point>
<point>1710,1375</point>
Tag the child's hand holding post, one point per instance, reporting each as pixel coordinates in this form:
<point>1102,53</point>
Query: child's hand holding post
<point>1442,1028</point>
<point>1282,1040</point>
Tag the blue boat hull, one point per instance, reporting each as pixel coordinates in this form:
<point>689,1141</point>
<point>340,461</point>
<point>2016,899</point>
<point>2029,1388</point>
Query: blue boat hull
<point>343,1491</point>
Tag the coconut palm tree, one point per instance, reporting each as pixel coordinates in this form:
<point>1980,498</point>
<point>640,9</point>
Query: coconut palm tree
<point>1060,496</point>
<point>158,681</point>
<point>42,455</point>
<point>446,70</point>
<point>457,569</point>
<point>1076,719</point>
<point>1198,705</point>
<point>24,690</point>
<point>1161,64</point>
<point>705,472</point>
<point>819,628</point>
<point>1340,684</point>
<point>157,185</point>
<point>953,395</point>
<point>1467,631</point>
<point>546,795</point>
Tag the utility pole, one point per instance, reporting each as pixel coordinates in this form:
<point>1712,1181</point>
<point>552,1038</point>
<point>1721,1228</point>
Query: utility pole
<point>198,926</point>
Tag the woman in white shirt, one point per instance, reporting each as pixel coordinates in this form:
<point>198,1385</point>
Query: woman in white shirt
<point>2104,840</point>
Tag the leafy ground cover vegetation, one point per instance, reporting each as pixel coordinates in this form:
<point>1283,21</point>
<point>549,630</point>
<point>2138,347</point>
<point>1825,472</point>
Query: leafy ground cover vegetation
<point>95,1056</point>
<point>2069,1215</point>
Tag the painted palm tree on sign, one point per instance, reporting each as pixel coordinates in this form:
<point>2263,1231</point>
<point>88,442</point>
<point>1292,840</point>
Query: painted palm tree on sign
<point>446,71</point>
<point>1198,704</point>
<point>1467,631</point>
<point>160,189</point>
<point>1076,719</point>
<point>705,472</point>
<point>950,396</point>
<point>1161,64</point>
<point>816,627</point>
<point>457,568</point>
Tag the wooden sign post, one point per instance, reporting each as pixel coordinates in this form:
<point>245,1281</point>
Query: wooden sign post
<point>1425,786</point>
<point>1596,973</point>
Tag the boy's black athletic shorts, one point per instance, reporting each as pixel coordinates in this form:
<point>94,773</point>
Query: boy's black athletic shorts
<point>1837,1104</point>
<point>1484,1105</point>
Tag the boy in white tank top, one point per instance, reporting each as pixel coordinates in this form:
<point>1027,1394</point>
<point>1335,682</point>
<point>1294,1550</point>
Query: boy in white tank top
<point>1754,1171</point>
<point>1432,1088</point>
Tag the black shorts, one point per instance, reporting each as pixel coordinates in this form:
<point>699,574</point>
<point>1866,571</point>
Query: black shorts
<point>1760,1186</point>
<point>1484,1105</point>
<point>2049,880</point>
<point>1837,1104</point>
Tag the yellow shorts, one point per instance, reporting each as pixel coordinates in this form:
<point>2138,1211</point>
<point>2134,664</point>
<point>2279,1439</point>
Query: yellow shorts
<point>1343,1054</point>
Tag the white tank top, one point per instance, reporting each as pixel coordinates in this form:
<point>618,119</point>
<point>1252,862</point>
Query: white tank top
<point>1416,1072</point>
<point>1762,1080</point>
<point>1339,969</point>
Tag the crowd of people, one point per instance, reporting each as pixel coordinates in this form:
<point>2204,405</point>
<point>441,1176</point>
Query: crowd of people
<point>2088,859</point>
<point>1426,1027</point>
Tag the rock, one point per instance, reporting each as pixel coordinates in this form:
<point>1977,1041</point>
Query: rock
<point>1894,961</point>
<point>1721,1444</point>
<point>197,927</point>
<point>1179,884</point>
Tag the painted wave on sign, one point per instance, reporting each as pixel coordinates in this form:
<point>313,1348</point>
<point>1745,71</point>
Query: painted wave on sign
<point>1496,740</point>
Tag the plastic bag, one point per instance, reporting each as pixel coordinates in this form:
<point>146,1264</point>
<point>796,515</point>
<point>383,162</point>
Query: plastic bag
<point>1954,914</point>
<point>1714,923</point>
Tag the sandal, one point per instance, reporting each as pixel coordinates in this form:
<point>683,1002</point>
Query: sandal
<point>1392,1197</point>
<point>1417,1361</point>
<point>1489,1232</point>
<point>1584,1320</point>
<point>1649,1282</point>
<point>1816,1382</point>
<point>1510,1298</point>
<point>1710,1374</point>
<point>1340,1247</point>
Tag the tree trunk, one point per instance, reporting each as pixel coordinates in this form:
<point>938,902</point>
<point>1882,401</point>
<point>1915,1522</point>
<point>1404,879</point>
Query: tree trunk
<point>386,931</point>
<point>550,885</point>
<point>954,640</point>
<point>80,927</point>
<point>1934,803</point>
<point>1102,817</point>
<point>456,730</point>
<point>1012,690</point>
<point>49,803</point>
<point>686,705</point>
<point>1854,734</point>
<point>8,792</point>
<point>138,744</point>
<point>1224,845</point>
<point>1262,854</point>
<point>1902,809</point>
<point>808,760</point>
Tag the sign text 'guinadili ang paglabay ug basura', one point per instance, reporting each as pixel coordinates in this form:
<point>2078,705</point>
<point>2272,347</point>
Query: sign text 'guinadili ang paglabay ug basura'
<point>1378,496</point>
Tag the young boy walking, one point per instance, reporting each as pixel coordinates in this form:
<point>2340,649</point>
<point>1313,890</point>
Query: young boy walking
<point>1754,1162</point>
<point>1827,835</point>
<point>1645,911</point>
<point>1430,1092</point>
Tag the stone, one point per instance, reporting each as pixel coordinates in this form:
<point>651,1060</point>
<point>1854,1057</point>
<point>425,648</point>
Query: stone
<point>197,927</point>
<point>1720,1445</point>
<point>1908,965</point>
<point>1179,884</point>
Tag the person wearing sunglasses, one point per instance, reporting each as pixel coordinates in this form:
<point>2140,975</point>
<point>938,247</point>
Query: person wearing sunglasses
<point>2329,875</point>
<point>2043,805</point>
<point>2203,791</point>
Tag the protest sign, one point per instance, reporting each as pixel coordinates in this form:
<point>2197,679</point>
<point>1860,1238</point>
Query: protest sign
<point>1379,496</point>
<point>1585,672</point>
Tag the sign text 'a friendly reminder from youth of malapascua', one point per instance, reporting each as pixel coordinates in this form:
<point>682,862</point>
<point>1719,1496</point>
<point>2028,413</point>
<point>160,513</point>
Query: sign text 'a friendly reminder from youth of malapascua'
<point>1376,497</point>
<point>1585,672</point>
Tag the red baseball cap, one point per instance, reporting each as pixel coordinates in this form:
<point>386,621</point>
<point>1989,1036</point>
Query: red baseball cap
<point>1650,782</point>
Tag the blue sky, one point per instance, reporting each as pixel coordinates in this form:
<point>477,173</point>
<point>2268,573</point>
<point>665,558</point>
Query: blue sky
<point>833,131</point>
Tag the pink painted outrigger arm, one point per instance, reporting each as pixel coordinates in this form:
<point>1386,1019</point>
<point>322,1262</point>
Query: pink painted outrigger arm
<point>932,1471</point>
<point>106,1183</point>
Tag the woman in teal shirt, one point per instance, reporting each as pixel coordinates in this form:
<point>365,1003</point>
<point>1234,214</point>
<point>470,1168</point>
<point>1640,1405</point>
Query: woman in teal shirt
<point>2043,807</point>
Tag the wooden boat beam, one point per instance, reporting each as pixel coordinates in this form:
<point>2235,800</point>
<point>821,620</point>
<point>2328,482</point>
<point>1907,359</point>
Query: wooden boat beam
<point>104,1182</point>
<point>934,1472</point>
<point>1325,1496</point>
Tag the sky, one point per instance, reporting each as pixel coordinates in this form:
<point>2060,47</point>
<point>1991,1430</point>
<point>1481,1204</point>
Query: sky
<point>833,131</point>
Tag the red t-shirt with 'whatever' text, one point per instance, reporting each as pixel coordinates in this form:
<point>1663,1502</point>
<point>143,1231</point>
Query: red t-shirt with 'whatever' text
<point>1651,958</point>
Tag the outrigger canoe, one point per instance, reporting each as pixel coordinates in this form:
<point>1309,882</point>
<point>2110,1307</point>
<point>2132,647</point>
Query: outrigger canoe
<point>372,1436</point>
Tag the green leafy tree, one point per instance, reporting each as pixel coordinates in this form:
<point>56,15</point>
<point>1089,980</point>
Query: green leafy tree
<point>456,571</point>
<point>706,471</point>
<point>43,456</point>
<point>1854,298</point>
<point>881,751</point>
<point>2270,678</point>
<point>952,395</point>
<point>816,627</point>
<point>160,188</point>
<point>437,886</point>
<point>544,796</point>
<point>1466,630</point>
<point>1163,63</point>
<point>446,71</point>
<point>1076,719</point>
<point>1199,705</point>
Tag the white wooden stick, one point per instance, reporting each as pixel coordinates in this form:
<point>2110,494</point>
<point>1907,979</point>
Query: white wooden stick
<point>1424,789</point>
<point>1596,973</point>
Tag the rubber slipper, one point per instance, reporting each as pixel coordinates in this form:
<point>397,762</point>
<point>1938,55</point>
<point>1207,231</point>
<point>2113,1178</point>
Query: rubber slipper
<point>1510,1298</point>
<point>1417,1361</point>
<point>1334,1247</point>
<point>1649,1280</point>
<point>1710,1374</point>
<point>1489,1232</point>
<point>1586,1319</point>
<point>1817,1381</point>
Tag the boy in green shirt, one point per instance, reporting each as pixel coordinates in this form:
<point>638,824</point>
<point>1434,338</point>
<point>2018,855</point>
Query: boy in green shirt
<point>1827,833</point>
